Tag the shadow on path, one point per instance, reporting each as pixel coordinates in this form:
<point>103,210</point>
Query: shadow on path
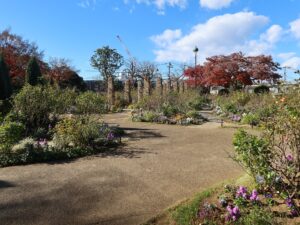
<point>5,184</point>
<point>141,133</point>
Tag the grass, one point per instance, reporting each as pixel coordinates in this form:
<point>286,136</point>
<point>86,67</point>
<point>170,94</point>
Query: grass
<point>183,214</point>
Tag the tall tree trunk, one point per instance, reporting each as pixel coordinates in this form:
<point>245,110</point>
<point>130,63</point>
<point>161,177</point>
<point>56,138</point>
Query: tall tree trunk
<point>147,86</point>
<point>110,92</point>
<point>140,90</point>
<point>127,91</point>
<point>159,89</point>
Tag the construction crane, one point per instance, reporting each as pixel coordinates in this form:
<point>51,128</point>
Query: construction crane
<point>132,61</point>
<point>126,48</point>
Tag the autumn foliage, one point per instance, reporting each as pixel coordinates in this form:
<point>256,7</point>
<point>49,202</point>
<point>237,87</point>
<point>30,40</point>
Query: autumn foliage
<point>17,53</point>
<point>234,71</point>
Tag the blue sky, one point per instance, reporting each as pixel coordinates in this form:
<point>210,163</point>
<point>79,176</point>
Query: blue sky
<point>157,30</point>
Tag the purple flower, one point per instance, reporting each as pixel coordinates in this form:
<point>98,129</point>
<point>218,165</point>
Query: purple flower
<point>268,195</point>
<point>289,202</point>
<point>110,136</point>
<point>254,195</point>
<point>236,118</point>
<point>42,143</point>
<point>233,213</point>
<point>289,158</point>
<point>294,212</point>
<point>229,208</point>
<point>236,210</point>
<point>242,192</point>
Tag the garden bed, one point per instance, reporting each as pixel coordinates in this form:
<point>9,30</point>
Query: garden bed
<point>192,117</point>
<point>218,205</point>
<point>48,123</point>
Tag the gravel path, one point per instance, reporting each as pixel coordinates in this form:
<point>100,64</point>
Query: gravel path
<point>158,166</point>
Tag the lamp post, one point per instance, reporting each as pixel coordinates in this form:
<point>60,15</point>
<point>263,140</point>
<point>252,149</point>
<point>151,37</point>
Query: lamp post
<point>196,53</point>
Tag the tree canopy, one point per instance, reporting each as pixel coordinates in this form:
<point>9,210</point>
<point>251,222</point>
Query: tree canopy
<point>5,83</point>
<point>17,53</point>
<point>233,70</point>
<point>64,75</point>
<point>33,72</point>
<point>107,61</point>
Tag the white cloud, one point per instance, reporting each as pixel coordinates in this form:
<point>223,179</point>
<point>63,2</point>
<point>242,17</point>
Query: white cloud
<point>161,4</point>
<point>87,3</point>
<point>295,28</point>
<point>290,59</point>
<point>293,62</point>
<point>286,55</point>
<point>166,38</point>
<point>219,35</point>
<point>273,34</point>
<point>266,41</point>
<point>215,4</point>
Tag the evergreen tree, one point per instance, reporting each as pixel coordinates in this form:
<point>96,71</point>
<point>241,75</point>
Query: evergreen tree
<point>5,82</point>
<point>33,72</point>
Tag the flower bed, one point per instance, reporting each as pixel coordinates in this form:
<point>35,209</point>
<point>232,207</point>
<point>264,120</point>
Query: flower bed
<point>174,108</point>
<point>179,119</point>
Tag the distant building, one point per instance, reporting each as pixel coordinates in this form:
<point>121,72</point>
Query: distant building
<point>215,90</point>
<point>121,76</point>
<point>95,85</point>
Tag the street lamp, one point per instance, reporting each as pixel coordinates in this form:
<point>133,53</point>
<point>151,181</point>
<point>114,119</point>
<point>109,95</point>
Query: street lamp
<point>196,52</point>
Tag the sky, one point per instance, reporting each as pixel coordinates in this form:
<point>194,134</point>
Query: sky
<point>161,31</point>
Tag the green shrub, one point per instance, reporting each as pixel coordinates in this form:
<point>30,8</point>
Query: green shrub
<point>90,102</point>
<point>192,114</point>
<point>273,157</point>
<point>251,119</point>
<point>169,110</point>
<point>79,132</point>
<point>65,100</point>
<point>262,89</point>
<point>252,153</point>
<point>35,104</point>
<point>149,116</point>
<point>10,133</point>
<point>230,107</point>
<point>199,102</point>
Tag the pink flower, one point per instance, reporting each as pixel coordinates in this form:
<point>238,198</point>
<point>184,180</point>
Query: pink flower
<point>289,158</point>
<point>242,192</point>
<point>254,195</point>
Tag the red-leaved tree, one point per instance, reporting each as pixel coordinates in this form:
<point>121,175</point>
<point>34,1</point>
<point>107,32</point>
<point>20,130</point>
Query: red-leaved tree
<point>194,76</point>
<point>17,53</point>
<point>234,70</point>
